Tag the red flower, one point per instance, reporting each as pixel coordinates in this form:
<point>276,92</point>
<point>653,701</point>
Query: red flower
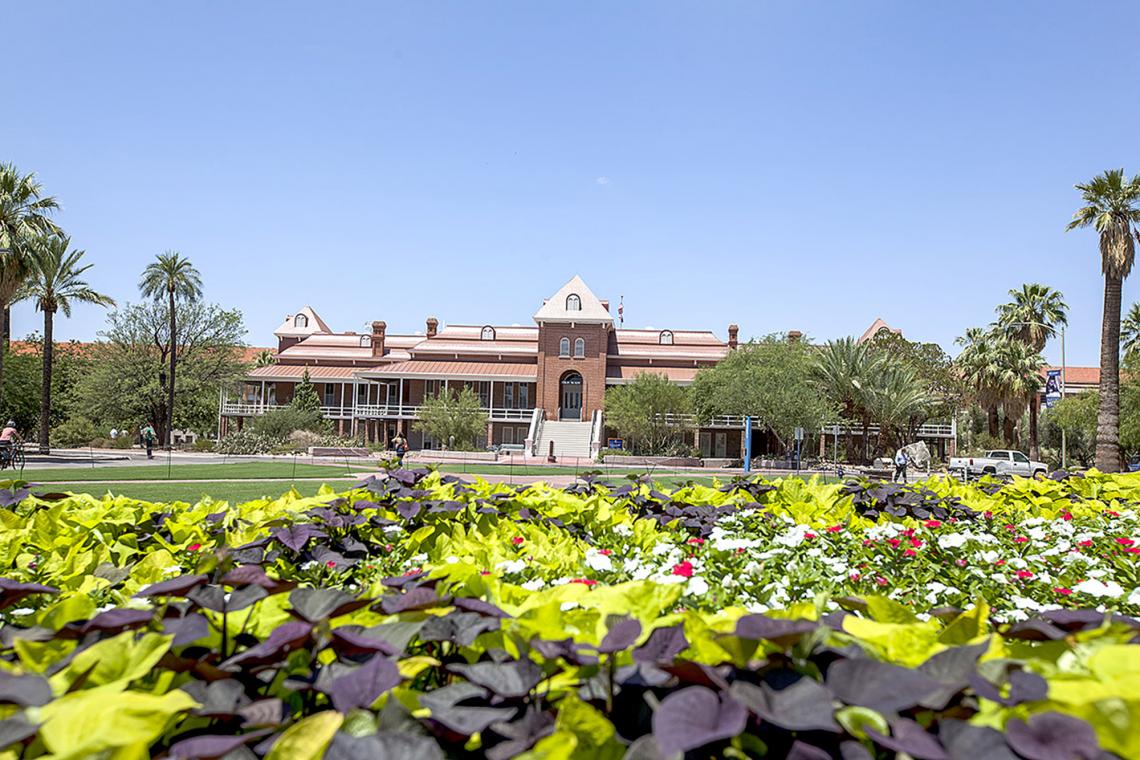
<point>809,535</point>
<point>585,581</point>
<point>684,569</point>
<point>193,547</point>
<point>517,540</point>
<point>834,529</point>
<point>933,524</point>
<point>1024,574</point>
<point>894,542</point>
<point>960,562</point>
<point>330,563</point>
<point>1009,527</point>
<point>880,580</point>
<point>910,553</point>
<point>988,514</point>
<point>1086,543</point>
<point>1132,550</point>
<point>916,543</point>
<point>1111,513</point>
<point>606,552</point>
<point>868,542</point>
<point>1067,516</point>
<point>694,541</point>
<point>855,576</point>
<point>908,532</point>
<point>1021,540</point>
<point>1125,541</point>
<point>999,563</point>
<point>1062,590</point>
<point>484,572</point>
<point>740,550</point>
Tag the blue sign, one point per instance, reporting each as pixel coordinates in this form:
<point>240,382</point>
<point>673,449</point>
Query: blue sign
<point>1052,387</point>
<point>615,443</point>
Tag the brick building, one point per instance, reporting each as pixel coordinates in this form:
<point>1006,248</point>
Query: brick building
<point>539,384</point>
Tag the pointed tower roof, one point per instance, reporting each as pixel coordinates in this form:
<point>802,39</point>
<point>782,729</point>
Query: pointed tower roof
<point>574,302</point>
<point>877,327</point>
<point>312,324</point>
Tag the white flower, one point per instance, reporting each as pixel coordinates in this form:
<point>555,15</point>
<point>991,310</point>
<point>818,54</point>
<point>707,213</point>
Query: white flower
<point>172,570</point>
<point>623,529</point>
<point>1093,587</point>
<point>794,537</point>
<point>1134,597</point>
<point>511,566</point>
<point>951,540</point>
<point>698,586</point>
<point>453,559</point>
<point>567,606</point>
<point>598,561</point>
<point>29,610</point>
<point>534,584</point>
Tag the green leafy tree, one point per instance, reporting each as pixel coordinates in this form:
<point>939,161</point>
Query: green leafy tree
<point>264,358</point>
<point>55,281</point>
<point>1033,316</point>
<point>24,216</point>
<point>841,370</point>
<point>172,277</point>
<point>1003,374</point>
<point>1130,330</point>
<point>123,385</point>
<point>651,413</point>
<point>773,380</point>
<point>24,378</point>
<point>1112,208</point>
<point>899,402</point>
<point>454,419</point>
<point>1076,415</point>
<point>305,396</point>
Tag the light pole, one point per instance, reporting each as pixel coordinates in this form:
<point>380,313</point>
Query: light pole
<point>1064,458</point>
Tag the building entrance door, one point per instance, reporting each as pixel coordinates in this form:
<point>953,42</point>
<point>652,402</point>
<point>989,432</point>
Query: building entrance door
<point>571,408</point>
<point>721,450</point>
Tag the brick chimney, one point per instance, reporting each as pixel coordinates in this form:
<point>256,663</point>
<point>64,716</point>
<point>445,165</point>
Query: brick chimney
<point>733,332</point>
<point>432,326</point>
<point>794,336</point>
<point>378,329</point>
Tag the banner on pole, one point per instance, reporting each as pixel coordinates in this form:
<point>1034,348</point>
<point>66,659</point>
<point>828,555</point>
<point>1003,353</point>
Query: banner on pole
<point>1052,387</point>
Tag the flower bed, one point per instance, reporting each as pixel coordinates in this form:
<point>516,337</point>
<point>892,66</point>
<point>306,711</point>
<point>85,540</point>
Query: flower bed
<point>422,616</point>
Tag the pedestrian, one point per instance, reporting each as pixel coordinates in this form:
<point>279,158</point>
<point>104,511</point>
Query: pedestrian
<point>114,434</point>
<point>400,446</point>
<point>148,438</point>
<point>901,460</point>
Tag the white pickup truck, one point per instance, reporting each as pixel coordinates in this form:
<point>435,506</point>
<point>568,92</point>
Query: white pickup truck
<point>999,462</point>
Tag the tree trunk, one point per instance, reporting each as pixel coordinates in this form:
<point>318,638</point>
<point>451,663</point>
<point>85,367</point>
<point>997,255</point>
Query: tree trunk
<point>1108,415</point>
<point>45,391</point>
<point>5,331</point>
<point>992,421</point>
<point>170,388</point>
<point>1034,451</point>
<point>1010,431</point>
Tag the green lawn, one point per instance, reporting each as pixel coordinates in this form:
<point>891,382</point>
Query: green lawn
<point>233,492</point>
<point>239,470</point>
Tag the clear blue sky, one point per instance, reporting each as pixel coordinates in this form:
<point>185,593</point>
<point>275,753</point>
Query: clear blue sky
<point>784,166</point>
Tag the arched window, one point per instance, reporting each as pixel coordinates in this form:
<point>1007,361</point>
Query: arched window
<point>579,348</point>
<point>564,347</point>
<point>573,302</point>
<point>666,338</point>
<point>366,341</point>
<point>300,321</point>
<point>488,333</point>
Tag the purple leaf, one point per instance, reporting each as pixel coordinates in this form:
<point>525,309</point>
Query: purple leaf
<point>211,747</point>
<point>173,587</point>
<point>805,705</point>
<point>351,641</point>
<point>911,738</point>
<point>782,633</point>
<point>696,716</point>
<point>318,604</point>
<point>417,599</point>
<point>478,605</point>
<point>879,685</point>
<point>16,729</point>
<point>254,575</point>
<point>25,691</point>
<point>264,712</point>
<point>364,685</point>
<point>663,645</point>
<point>284,639</point>
<point>296,536</point>
<point>13,591</point>
<point>465,720</point>
<point>1052,736</point>
<point>964,740</point>
<point>116,620</point>
<point>620,636</point>
<point>505,679</point>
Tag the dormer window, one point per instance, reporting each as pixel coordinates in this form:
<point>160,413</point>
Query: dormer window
<point>300,321</point>
<point>573,302</point>
<point>666,338</point>
<point>564,348</point>
<point>366,341</point>
<point>488,333</point>
<point>579,348</point>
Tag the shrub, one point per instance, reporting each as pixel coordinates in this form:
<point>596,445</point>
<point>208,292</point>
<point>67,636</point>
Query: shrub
<point>204,444</point>
<point>74,433</point>
<point>280,423</point>
<point>247,442</point>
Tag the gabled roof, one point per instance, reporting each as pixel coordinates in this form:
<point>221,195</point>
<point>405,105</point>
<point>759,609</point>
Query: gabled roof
<point>554,309</point>
<point>315,324</point>
<point>876,327</point>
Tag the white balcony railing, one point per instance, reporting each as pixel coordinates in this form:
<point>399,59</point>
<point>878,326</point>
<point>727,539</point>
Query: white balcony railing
<point>366,411</point>
<point>255,408</point>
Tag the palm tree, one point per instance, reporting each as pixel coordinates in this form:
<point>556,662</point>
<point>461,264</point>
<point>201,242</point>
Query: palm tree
<point>1112,208</point>
<point>24,212</point>
<point>171,275</point>
<point>1018,374</point>
<point>1004,374</point>
<point>264,358</point>
<point>1130,330</point>
<point>899,401</point>
<point>843,367</point>
<point>55,281</point>
<point>1033,317</point>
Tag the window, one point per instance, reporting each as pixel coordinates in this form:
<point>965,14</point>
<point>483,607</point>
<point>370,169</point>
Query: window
<point>1020,458</point>
<point>488,333</point>
<point>366,341</point>
<point>362,393</point>
<point>484,387</point>
<point>573,302</point>
<point>300,321</point>
<point>330,394</point>
<point>524,396</point>
<point>564,347</point>
<point>666,338</point>
<point>579,348</point>
<point>508,435</point>
<point>509,396</point>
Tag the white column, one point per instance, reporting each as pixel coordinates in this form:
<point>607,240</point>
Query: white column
<point>263,395</point>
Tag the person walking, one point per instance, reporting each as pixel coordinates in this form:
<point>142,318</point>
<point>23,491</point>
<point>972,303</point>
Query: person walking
<point>148,439</point>
<point>400,446</point>
<point>901,461</point>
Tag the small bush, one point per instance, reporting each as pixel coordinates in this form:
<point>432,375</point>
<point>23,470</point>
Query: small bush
<point>247,442</point>
<point>204,444</point>
<point>280,423</point>
<point>74,433</point>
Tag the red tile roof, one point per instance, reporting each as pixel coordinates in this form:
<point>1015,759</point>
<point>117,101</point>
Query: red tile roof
<point>292,372</point>
<point>616,375</point>
<point>457,370</point>
<point>1089,376</point>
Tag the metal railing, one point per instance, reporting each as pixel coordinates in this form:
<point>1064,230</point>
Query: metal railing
<point>736,422</point>
<point>367,411</point>
<point>928,430</point>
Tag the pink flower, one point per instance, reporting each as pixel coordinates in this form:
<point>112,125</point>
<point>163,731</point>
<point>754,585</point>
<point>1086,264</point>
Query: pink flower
<point>1021,540</point>
<point>916,543</point>
<point>605,552</point>
<point>1125,541</point>
<point>1062,590</point>
<point>517,540</point>
<point>868,542</point>
<point>1086,543</point>
<point>330,563</point>
<point>694,541</point>
<point>585,581</point>
<point>1024,574</point>
<point>894,542</point>
<point>910,553</point>
<point>809,535</point>
<point>684,569</point>
<point>880,580</point>
<point>1067,516</point>
<point>1111,513</point>
<point>933,524</point>
<point>1132,550</point>
<point>855,576</point>
<point>909,532</point>
<point>960,562</point>
<point>1010,527</point>
<point>988,514</point>
<point>193,547</point>
<point>740,550</point>
<point>999,563</point>
<point>834,528</point>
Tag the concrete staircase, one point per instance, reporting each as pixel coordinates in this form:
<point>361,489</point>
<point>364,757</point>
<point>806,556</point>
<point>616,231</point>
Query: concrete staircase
<point>571,439</point>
